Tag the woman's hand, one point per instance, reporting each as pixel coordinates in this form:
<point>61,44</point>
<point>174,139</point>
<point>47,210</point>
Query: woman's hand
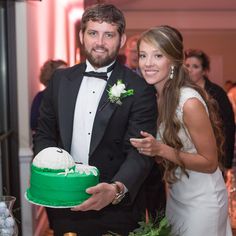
<point>147,146</point>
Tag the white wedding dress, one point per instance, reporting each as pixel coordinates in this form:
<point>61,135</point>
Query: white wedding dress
<point>198,205</point>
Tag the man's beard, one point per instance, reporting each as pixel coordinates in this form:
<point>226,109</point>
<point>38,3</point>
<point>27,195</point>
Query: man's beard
<point>100,61</point>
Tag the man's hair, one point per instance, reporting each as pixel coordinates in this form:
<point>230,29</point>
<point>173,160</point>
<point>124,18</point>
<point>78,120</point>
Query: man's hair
<point>104,13</point>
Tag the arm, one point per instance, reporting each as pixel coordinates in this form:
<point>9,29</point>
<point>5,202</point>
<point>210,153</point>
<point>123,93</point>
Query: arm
<point>201,132</point>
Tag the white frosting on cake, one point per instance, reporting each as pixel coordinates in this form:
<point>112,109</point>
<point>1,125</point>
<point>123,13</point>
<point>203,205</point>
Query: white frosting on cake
<point>53,158</point>
<point>86,169</point>
<point>82,169</point>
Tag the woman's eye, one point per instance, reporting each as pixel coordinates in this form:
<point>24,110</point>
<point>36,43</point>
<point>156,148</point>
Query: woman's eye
<point>141,56</point>
<point>195,66</point>
<point>158,55</point>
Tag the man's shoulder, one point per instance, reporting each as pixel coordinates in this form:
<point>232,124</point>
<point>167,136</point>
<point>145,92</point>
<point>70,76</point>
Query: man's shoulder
<point>139,82</point>
<point>73,69</point>
<point>131,76</point>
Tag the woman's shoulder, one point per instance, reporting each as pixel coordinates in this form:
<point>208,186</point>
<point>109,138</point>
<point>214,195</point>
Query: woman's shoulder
<point>187,93</point>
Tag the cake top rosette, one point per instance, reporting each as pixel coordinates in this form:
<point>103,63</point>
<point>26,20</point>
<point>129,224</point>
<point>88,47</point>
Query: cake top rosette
<point>53,158</point>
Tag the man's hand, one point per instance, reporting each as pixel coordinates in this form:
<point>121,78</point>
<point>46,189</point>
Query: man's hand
<point>102,195</point>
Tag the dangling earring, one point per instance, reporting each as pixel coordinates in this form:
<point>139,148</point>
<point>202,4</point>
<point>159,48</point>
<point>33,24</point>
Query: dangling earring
<point>172,71</point>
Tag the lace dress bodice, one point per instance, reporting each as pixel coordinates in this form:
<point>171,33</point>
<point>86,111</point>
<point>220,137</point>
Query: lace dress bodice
<point>185,94</point>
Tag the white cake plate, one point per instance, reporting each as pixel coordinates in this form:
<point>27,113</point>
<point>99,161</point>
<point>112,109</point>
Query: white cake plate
<point>36,203</point>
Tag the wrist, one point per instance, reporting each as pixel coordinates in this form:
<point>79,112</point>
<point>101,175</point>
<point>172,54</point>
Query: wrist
<point>120,192</point>
<point>167,152</point>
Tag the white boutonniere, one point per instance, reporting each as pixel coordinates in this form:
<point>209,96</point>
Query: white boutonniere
<point>117,92</point>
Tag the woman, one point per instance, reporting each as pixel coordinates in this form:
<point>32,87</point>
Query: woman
<point>189,140</point>
<point>46,72</point>
<point>198,65</point>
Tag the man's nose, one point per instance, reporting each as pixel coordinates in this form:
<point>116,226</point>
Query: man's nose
<point>100,40</point>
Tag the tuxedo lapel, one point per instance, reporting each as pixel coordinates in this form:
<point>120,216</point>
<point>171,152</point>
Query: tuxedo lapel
<point>105,110</point>
<point>67,96</point>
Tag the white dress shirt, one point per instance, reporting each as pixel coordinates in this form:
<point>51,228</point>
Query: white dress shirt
<point>89,95</point>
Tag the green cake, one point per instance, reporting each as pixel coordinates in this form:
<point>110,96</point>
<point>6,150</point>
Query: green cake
<point>57,181</point>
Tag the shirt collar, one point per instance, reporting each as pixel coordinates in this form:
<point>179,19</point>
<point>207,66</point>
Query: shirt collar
<point>89,67</point>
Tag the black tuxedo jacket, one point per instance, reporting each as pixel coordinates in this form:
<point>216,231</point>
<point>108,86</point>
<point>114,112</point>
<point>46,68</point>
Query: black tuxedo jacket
<point>110,149</point>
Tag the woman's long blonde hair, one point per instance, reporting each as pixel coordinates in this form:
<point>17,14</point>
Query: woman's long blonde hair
<point>169,41</point>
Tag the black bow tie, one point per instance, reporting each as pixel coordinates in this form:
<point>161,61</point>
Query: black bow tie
<point>99,75</point>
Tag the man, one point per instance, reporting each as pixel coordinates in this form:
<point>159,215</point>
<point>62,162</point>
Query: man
<point>131,53</point>
<point>79,114</point>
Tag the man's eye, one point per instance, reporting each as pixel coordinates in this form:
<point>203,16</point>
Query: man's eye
<point>92,33</point>
<point>109,35</point>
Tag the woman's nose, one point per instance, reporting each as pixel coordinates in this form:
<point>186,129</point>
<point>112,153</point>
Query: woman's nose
<point>149,61</point>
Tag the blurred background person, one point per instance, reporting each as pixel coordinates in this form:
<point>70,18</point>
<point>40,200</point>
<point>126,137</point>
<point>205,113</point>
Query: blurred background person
<point>198,64</point>
<point>228,85</point>
<point>131,53</point>
<point>232,97</point>
<point>46,72</point>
